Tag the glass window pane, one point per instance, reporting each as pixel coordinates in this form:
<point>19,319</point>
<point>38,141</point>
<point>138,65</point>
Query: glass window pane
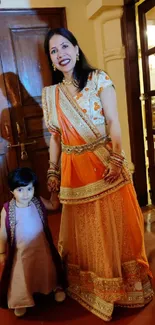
<point>150,23</point>
<point>153,111</point>
<point>152,71</point>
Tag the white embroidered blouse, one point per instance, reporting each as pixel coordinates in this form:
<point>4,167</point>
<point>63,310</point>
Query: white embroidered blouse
<point>89,98</point>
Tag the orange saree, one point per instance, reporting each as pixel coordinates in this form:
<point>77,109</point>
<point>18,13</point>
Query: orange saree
<point>101,233</point>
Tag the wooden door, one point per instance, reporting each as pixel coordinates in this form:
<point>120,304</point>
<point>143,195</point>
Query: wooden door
<point>24,72</point>
<point>147,37</point>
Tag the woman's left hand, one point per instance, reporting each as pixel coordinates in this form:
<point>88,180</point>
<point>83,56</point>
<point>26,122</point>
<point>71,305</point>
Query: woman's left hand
<point>112,173</point>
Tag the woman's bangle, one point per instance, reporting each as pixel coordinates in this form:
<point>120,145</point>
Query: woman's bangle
<point>54,165</point>
<point>53,173</point>
<point>117,156</point>
<point>2,253</point>
<point>117,159</point>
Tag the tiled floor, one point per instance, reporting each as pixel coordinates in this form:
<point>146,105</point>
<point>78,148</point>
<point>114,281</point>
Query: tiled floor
<point>71,313</point>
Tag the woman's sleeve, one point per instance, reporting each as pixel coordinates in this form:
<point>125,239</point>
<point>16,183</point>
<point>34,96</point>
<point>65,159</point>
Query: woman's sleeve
<point>103,81</point>
<point>47,111</point>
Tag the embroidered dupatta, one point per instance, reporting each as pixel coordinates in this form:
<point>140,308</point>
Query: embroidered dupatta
<point>85,151</point>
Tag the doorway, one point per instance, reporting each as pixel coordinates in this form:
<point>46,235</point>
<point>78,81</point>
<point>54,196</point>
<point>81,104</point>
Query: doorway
<point>140,99</point>
<point>145,21</point>
<point>24,71</point>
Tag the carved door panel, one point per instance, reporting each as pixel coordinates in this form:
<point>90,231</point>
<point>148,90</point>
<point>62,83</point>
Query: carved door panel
<point>24,72</point>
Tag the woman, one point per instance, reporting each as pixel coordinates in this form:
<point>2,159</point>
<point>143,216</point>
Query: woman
<point>101,233</point>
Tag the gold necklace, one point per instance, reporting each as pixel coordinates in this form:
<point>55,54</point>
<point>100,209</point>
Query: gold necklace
<point>67,83</point>
<point>73,82</point>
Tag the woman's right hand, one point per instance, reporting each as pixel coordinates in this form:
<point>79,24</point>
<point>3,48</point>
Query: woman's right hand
<point>112,173</point>
<point>53,184</point>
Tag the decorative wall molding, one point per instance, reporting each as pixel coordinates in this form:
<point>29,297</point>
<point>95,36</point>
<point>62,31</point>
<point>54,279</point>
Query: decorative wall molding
<point>109,15</point>
<point>104,54</point>
<point>114,54</point>
<point>106,16</point>
<point>95,7</point>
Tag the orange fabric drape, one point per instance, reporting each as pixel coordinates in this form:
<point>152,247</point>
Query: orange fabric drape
<point>76,170</point>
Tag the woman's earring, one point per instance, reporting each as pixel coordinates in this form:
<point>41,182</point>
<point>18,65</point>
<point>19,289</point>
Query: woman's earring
<point>77,57</point>
<point>54,67</point>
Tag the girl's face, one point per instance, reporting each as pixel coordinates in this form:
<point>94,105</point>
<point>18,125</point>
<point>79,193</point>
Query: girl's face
<point>63,54</point>
<point>23,195</point>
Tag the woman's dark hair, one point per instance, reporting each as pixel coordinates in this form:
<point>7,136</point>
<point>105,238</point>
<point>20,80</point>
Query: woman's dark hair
<point>82,68</point>
<point>21,177</point>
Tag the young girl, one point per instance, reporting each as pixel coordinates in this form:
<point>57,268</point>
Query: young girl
<point>31,261</point>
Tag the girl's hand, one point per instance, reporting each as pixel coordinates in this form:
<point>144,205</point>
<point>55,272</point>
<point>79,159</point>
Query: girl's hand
<point>2,259</point>
<point>53,203</point>
<point>47,203</point>
<point>53,184</point>
<point>112,173</point>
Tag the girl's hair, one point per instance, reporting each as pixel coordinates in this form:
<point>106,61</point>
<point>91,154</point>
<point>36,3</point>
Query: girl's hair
<point>82,68</point>
<point>21,177</point>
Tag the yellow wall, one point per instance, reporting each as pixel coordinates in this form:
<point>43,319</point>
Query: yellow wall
<point>99,36</point>
<point>110,56</point>
<point>77,20</point>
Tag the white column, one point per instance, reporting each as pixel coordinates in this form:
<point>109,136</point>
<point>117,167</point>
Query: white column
<point>106,16</point>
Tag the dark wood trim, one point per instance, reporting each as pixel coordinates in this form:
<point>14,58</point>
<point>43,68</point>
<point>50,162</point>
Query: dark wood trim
<point>38,11</point>
<point>133,101</point>
<point>144,46</point>
<point>151,51</point>
<point>147,5</point>
<point>130,2</point>
<point>145,64</point>
<point>151,93</point>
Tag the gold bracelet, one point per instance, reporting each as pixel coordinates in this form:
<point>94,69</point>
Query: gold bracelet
<point>54,165</point>
<point>117,156</point>
<point>53,172</point>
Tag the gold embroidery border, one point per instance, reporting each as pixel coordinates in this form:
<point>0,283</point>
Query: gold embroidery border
<point>51,97</point>
<point>92,191</point>
<point>44,107</point>
<point>120,296</point>
<point>49,108</point>
<point>103,154</point>
<point>79,149</point>
<point>79,120</point>
<point>94,304</point>
<point>12,218</point>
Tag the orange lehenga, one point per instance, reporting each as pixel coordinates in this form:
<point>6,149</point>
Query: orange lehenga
<point>101,233</point>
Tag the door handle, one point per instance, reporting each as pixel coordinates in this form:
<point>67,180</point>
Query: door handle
<point>24,154</point>
<point>7,130</point>
<point>21,144</point>
<point>18,129</point>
